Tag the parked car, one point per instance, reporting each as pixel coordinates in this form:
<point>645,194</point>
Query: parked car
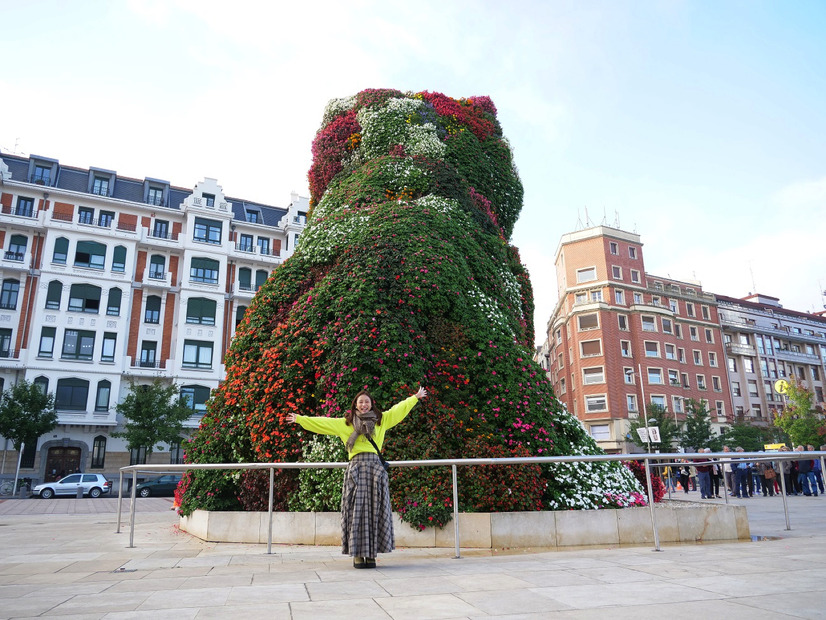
<point>94,485</point>
<point>165,485</point>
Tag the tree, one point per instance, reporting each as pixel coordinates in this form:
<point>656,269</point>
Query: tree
<point>154,414</point>
<point>749,437</point>
<point>26,413</point>
<point>657,416</point>
<point>698,432</point>
<point>798,419</point>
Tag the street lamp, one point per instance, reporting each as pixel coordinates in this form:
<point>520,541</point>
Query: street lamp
<point>629,372</point>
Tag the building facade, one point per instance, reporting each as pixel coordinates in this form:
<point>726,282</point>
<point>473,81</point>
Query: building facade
<point>108,280</point>
<point>765,342</point>
<point>620,337</point>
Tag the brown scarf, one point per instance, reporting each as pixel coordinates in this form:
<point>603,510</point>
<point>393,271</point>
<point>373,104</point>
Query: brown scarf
<point>363,424</point>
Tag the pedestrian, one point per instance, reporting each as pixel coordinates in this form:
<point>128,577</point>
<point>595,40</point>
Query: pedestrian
<point>741,476</point>
<point>819,469</point>
<point>704,467</point>
<point>806,475</point>
<point>767,476</point>
<point>728,472</point>
<point>366,515</point>
<point>685,470</point>
<point>716,476</point>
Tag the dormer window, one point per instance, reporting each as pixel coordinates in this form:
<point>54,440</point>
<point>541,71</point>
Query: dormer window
<point>253,216</point>
<point>155,196</point>
<point>100,186</point>
<point>209,200</point>
<point>42,175</point>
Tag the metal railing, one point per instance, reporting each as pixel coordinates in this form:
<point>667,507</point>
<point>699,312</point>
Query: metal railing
<point>650,461</point>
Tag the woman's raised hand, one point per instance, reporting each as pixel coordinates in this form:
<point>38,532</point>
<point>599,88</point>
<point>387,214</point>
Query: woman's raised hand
<point>421,393</point>
<point>290,417</point>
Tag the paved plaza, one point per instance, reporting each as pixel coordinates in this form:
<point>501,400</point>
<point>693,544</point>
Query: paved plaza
<point>62,557</point>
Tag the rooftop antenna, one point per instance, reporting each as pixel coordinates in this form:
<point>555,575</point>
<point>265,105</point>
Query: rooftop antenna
<point>587,218</point>
<point>604,216</point>
<point>617,220</point>
<point>753,283</point>
<point>579,224</point>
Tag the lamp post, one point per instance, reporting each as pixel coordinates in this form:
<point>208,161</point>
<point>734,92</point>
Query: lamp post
<point>630,372</point>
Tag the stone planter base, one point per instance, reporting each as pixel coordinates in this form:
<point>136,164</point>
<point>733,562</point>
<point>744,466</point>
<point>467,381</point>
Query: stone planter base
<point>629,526</point>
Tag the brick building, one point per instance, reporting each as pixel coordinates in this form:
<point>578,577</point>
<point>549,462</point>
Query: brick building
<point>108,279</point>
<point>620,337</point>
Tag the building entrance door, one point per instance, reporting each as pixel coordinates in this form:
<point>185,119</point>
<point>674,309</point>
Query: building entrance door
<point>61,462</point>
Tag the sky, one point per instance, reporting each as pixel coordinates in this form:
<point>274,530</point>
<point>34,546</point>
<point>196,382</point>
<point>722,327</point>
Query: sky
<point>698,125</point>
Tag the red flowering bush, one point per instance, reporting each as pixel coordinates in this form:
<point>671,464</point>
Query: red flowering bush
<point>638,469</point>
<point>403,276</point>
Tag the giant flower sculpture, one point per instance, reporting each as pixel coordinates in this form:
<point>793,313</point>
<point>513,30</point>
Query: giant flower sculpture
<point>403,275</point>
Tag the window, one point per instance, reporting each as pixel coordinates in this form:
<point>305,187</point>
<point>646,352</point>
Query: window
<point>673,378</point>
<point>137,456</point>
<point>600,432</point>
<point>157,267</point>
<point>698,357</point>
<point>635,276</point>
<point>113,304</point>
<point>616,272</point>
<point>207,231</point>
<point>591,376</point>
<point>155,196</point>
<point>105,219</point>
<point>588,274</point>
<point>98,452</point>
<point>677,403</point>
<point>655,376</point>
<point>715,384</point>
<point>625,348</point>
<point>197,354</point>
<point>102,397</point>
<point>701,382</point>
<point>596,403</point>
<point>652,349</point>
<point>637,298</point>
<point>712,359</point>
<point>689,308</point>
<point>78,345</point>
<point>562,389</point>
<point>721,408</point>
<point>744,339</point>
<point>90,254</point>
<point>71,394</point>
<point>209,200</point>
<point>580,298</point>
<point>753,393</point>
<point>692,333</point>
<point>681,355</point>
<point>196,397</point>
<point>5,343</point>
<point>161,229</point>
<point>245,279</point>
<point>201,311</point>
<point>622,321</point>
<point>735,388</point>
<point>42,175</point>
<point>264,246</point>
<point>649,323</point>
<point>667,326</point>
<point>670,352</point>
<point>8,294</point>
<point>107,351</point>
<point>47,336</point>
<point>245,243</point>
<point>619,297</point>
<point>588,321</point>
<point>628,375</point>
<point>748,364</point>
<point>85,215</point>
<point>204,270</point>
<point>148,348</point>
<point>100,186</point>
<point>631,403</point>
<point>239,314</point>
<point>260,278</point>
<point>678,330</point>
<point>590,348</point>
<point>17,248</point>
<point>176,453</point>
<point>709,336</point>
<point>659,400</point>
<point>119,259</point>
<point>253,216</point>
<point>674,305</point>
<point>25,207</point>
<point>61,250</point>
<point>596,295</point>
<point>632,252</point>
<point>705,313</point>
<point>613,248</point>
<point>732,364</point>
<point>84,298</point>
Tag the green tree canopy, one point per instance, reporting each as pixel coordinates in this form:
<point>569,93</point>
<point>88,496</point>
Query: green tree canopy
<point>749,437</point>
<point>698,432</point>
<point>669,431</point>
<point>26,412</point>
<point>798,419</point>
<point>154,414</point>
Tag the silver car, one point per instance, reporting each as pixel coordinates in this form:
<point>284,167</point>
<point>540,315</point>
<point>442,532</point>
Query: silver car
<point>93,485</point>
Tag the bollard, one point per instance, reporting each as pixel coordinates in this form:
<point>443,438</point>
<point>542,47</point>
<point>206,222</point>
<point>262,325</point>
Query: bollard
<point>79,492</point>
<point>24,491</point>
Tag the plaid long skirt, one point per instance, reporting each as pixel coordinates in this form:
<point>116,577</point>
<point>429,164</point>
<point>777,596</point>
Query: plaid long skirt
<point>366,516</point>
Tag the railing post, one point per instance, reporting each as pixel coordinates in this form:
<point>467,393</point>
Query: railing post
<point>132,509</point>
<point>120,500</point>
<point>456,511</point>
<point>651,504</point>
<point>269,528</point>
<point>783,492</point>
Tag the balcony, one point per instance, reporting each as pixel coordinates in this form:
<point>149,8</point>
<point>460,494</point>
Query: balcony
<point>107,226</point>
<point>156,279</point>
<point>255,253</point>
<point>10,358</point>
<point>146,368</point>
<point>245,291</point>
<point>159,238</point>
<point>733,348</point>
<point>784,353</point>
<point>14,260</point>
<point>85,418</point>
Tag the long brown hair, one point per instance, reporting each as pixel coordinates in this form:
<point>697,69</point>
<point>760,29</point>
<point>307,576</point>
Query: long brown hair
<point>348,415</point>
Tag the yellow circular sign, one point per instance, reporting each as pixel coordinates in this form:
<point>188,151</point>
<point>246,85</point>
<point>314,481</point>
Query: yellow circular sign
<point>780,386</point>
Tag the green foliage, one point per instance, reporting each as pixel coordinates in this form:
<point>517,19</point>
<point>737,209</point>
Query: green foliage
<point>798,419</point>
<point>749,437</point>
<point>26,412</point>
<point>319,490</point>
<point>698,432</point>
<point>660,417</point>
<point>153,414</point>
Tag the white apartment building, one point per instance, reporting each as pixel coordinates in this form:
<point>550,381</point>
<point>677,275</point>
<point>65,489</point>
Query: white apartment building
<point>108,279</point>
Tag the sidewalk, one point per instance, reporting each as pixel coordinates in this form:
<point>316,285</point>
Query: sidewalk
<point>62,558</point>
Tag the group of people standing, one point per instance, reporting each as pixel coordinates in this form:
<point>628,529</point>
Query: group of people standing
<point>745,478</point>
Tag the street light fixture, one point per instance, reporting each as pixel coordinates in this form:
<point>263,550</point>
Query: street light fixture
<point>629,372</point>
